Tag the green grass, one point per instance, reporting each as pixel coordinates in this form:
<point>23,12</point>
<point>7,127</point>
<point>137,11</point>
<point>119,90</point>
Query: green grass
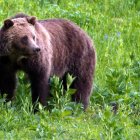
<point>114,26</point>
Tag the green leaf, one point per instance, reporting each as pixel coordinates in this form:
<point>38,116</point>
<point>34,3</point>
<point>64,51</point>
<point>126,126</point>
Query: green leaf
<point>71,91</point>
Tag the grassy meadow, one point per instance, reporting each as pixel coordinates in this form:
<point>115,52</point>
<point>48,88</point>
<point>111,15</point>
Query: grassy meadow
<point>114,26</point>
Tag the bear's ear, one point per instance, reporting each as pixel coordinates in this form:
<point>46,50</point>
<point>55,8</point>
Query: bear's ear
<point>8,23</point>
<point>31,20</point>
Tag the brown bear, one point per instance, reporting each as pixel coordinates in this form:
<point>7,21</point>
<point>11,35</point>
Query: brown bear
<point>43,48</point>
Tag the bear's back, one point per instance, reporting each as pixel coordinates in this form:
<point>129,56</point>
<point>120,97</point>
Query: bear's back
<point>68,33</point>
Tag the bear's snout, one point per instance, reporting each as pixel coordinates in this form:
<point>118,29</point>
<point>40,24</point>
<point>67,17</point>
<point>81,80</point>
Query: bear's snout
<point>36,50</point>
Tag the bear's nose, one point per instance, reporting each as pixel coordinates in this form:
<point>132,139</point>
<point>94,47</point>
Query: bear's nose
<point>36,50</point>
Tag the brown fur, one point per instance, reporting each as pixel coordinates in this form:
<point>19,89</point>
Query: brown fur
<point>64,48</point>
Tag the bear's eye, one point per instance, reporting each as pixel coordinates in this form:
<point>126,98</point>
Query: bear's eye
<point>33,37</point>
<point>24,39</point>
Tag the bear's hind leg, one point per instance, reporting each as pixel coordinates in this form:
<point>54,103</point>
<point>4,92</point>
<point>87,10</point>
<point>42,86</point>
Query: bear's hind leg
<point>83,87</point>
<point>83,72</point>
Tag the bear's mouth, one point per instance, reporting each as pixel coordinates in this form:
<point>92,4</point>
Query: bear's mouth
<point>25,56</point>
<point>27,53</point>
<point>21,57</point>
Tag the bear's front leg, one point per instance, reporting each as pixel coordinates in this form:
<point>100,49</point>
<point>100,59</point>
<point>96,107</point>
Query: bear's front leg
<point>8,85</point>
<point>7,78</point>
<point>39,88</point>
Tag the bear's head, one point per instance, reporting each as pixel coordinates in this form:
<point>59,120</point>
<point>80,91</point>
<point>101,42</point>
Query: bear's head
<point>18,37</point>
